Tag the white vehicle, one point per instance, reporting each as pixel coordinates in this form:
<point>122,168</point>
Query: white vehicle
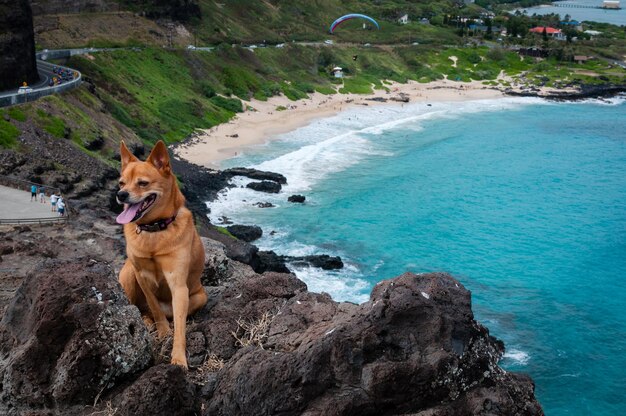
<point>328,42</point>
<point>24,90</point>
<point>415,43</point>
<point>191,47</point>
<point>367,45</point>
<point>280,45</point>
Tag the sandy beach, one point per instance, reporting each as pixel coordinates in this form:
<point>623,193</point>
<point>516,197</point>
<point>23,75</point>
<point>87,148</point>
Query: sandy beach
<point>261,121</point>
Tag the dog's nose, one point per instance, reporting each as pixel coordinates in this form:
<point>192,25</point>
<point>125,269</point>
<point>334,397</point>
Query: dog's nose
<point>122,196</point>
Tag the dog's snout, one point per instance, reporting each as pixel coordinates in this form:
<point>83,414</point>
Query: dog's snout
<point>122,196</point>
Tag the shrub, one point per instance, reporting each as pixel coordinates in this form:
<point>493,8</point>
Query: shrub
<point>207,89</point>
<point>230,104</point>
<point>474,58</point>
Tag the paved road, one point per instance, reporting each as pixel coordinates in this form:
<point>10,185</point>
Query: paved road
<point>15,204</point>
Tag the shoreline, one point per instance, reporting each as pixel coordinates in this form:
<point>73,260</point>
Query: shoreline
<point>261,120</point>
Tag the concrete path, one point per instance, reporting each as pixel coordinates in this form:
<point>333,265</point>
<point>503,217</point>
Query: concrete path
<point>15,204</point>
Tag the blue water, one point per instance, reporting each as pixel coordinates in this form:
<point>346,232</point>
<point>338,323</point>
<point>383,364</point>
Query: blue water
<point>522,200</point>
<point>615,17</point>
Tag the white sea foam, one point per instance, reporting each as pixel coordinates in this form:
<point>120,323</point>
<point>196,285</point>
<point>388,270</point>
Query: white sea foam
<point>518,357</point>
<point>341,285</point>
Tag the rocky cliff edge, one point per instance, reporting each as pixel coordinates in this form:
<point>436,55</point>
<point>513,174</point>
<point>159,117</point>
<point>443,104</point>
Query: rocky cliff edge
<point>70,344</point>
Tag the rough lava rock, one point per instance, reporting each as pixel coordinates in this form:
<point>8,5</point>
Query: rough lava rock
<point>265,186</point>
<point>68,335</point>
<point>297,198</point>
<point>262,345</point>
<point>414,348</point>
<point>256,174</point>
<point>246,233</point>
<point>162,390</point>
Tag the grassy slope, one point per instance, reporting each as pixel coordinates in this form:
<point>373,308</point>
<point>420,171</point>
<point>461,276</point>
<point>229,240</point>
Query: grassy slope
<point>167,94</point>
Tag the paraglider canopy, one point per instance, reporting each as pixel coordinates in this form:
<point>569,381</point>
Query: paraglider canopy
<point>351,16</point>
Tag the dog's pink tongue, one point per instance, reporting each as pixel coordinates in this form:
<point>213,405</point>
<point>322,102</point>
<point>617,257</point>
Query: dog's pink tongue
<point>128,214</point>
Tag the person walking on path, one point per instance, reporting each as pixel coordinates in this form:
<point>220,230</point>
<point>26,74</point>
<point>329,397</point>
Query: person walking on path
<point>61,206</point>
<point>42,195</point>
<point>53,201</point>
<point>33,193</point>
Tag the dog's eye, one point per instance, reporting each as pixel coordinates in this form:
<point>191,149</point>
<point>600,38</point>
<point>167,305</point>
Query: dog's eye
<point>142,183</point>
<point>121,183</point>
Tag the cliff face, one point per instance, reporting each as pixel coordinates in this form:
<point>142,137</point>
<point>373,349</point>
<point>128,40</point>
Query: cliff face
<point>17,44</point>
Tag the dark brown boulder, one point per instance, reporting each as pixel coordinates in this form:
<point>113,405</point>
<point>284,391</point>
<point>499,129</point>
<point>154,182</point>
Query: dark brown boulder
<point>265,186</point>
<point>162,390</point>
<point>414,347</point>
<point>68,335</point>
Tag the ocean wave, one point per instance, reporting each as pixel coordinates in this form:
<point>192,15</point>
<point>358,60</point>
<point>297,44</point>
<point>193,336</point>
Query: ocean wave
<point>517,357</point>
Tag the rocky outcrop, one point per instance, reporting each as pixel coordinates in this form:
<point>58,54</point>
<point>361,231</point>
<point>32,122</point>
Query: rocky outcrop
<point>297,198</point>
<point>263,345</point>
<point>17,45</point>
<point>265,186</point>
<point>256,174</point>
<point>68,335</point>
<point>246,232</point>
<point>275,262</point>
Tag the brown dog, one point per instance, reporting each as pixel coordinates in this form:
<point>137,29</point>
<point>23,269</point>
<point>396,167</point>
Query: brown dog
<point>165,255</point>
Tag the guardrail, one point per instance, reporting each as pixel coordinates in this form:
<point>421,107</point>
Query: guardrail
<point>15,98</point>
<point>39,221</point>
<point>25,186</point>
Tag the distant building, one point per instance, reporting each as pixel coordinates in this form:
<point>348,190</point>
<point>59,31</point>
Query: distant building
<point>550,31</point>
<point>611,4</point>
<point>337,72</point>
<point>404,19</point>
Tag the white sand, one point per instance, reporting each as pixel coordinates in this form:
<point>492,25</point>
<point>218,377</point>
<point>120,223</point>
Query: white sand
<point>210,147</point>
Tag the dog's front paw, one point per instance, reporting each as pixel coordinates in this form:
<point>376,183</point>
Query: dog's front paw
<point>163,329</point>
<point>181,361</point>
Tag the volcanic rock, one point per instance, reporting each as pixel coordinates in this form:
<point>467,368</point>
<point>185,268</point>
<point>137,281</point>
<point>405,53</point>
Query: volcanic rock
<point>414,347</point>
<point>68,335</point>
<point>256,174</point>
<point>296,198</point>
<point>265,186</point>
<point>246,232</point>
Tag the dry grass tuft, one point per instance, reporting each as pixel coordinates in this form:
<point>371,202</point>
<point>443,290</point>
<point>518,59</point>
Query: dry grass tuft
<point>253,332</point>
<point>108,411</point>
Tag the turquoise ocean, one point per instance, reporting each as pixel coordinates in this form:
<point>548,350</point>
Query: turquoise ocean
<point>521,199</point>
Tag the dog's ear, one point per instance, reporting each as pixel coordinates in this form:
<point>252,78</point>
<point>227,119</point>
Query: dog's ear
<point>159,158</point>
<point>125,155</point>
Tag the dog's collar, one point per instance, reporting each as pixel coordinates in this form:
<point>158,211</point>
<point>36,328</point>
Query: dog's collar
<point>159,225</point>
